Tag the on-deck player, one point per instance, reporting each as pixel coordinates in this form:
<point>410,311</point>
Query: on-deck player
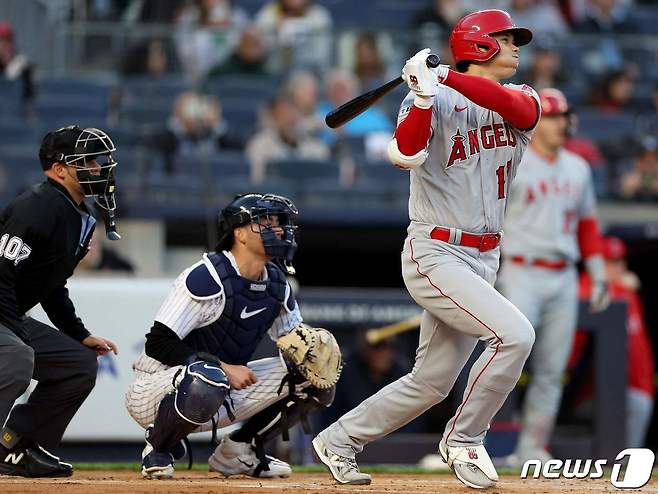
<point>462,135</point>
<point>203,337</point>
<point>550,225</point>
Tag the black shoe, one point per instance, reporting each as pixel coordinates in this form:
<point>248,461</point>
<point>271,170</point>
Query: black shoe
<point>32,461</point>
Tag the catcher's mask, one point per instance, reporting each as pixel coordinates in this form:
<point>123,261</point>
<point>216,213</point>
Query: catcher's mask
<point>78,147</point>
<point>266,213</point>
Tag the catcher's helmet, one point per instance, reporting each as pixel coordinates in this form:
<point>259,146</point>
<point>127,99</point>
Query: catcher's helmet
<point>248,208</point>
<point>553,102</point>
<point>474,31</point>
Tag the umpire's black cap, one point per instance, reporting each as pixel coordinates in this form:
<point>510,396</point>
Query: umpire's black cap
<point>58,144</point>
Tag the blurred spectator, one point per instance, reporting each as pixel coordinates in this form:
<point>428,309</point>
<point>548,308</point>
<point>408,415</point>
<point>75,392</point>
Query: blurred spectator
<point>196,120</point>
<point>640,180</point>
<point>606,16</point>
<point>368,369</point>
<point>369,67</point>
<point>542,17</point>
<point>342,87</point>
<point>641,390</point>
<point>302,88</point>
<point>101,258</point>
<point>147,58</point>
<point>14,65</point>
<point>208,31</point>
<point>281,138</point>
<point>545,68</point>
<point>434,23</point>
<point>298,34</point>
<point>248,59</point>
<point>157,11</point>
<point>614,93</point>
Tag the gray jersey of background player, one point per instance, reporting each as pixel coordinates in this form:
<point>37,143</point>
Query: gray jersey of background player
<point>551,223</point>
<point>44,233</point>
<point>199,348</point>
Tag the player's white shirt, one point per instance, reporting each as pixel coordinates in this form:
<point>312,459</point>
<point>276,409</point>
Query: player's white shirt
<point>473,157</point>
<point>183,313</point>
<point>546,202</point>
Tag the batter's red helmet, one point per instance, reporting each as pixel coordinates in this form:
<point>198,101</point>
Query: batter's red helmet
<point>614,248</point>
<point>474,31</point>
<point>553,102</point>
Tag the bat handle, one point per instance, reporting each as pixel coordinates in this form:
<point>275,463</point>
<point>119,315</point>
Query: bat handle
<point>432,61</point>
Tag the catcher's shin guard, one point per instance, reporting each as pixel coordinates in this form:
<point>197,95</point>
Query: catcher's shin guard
<point>198,396</point>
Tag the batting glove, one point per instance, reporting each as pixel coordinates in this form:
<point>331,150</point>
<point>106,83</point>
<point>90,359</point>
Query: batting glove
<point>421,79</point>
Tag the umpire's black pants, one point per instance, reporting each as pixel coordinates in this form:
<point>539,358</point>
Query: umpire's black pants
<point>66,373</point>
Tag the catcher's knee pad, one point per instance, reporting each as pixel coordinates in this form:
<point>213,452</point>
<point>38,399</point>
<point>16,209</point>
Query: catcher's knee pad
<point>201,392</point>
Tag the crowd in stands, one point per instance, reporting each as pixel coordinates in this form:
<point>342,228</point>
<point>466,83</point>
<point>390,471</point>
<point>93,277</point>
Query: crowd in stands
<point>248,83</point>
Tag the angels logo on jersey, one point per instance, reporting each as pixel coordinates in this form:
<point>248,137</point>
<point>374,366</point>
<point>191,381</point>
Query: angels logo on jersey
<point>485,137</point>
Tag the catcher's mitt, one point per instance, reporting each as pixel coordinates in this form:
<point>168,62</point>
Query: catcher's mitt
<point>315,354</point>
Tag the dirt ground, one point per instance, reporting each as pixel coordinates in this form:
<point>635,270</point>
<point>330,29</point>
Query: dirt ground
<point>97,482</point>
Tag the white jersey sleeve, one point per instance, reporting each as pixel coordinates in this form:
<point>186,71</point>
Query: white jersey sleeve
<point>182,313</point>
<point>287,320</point>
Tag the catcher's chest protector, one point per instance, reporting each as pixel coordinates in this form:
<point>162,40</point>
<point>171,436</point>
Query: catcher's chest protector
<point>249,311</point>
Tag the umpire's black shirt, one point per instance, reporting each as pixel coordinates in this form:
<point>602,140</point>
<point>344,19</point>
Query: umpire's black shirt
<point>43,236</point>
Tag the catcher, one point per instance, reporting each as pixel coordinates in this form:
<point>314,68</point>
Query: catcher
<point>195,375</point>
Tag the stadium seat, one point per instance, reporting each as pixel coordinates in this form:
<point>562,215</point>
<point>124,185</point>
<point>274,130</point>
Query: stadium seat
<point>603,126</point>
<point>300,169</point>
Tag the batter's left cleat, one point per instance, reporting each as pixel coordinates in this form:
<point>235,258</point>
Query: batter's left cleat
<point>471,465</point>
<point>343,469</point>
<point>236,458</point>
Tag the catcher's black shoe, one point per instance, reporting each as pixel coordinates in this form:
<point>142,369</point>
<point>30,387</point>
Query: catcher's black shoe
<point>32,461</point>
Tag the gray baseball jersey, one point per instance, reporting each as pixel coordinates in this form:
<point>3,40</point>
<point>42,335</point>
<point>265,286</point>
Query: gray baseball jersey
<point>545,204</point>
<point>473,157</point>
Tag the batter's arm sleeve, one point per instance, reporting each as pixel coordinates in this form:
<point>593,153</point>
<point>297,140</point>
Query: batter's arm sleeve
<point>165,346</point>
<point>519,108</point>
<point>61,312</point>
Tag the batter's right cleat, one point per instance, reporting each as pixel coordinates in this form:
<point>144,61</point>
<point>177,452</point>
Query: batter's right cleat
<point>32,461</point>
<point>343,469</point>
<point>471,465</point>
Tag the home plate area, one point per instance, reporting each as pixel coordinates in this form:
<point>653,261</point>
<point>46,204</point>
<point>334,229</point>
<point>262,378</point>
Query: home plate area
<point>193,482</point>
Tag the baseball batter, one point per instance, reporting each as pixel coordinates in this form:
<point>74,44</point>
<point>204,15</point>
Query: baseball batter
<point>196,357</point>
<point>462,135</point>
<point>550,224</point>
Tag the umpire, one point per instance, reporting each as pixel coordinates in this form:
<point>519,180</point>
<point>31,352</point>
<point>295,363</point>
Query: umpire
<point>44,233</point>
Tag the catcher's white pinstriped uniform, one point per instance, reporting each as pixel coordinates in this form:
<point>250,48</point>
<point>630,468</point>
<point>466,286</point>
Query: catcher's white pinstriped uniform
<point>183,314</point>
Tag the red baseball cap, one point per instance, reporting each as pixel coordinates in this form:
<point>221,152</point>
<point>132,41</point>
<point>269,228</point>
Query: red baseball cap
<point>614,248</point>
<point>6,32</point>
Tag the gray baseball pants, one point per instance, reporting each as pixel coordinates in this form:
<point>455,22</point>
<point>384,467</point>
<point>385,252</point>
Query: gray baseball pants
<point>454,286</point>
<point>66,373</point>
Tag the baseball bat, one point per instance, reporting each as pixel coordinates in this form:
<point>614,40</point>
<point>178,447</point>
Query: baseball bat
<point>375,335</point>
<point>356,106</point>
